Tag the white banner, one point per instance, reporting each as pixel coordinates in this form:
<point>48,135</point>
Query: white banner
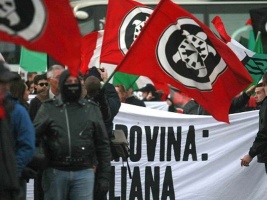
<point>159,105</point>
<point>187,157</point>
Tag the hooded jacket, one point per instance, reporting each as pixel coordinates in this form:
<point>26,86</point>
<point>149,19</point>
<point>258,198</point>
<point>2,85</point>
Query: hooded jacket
<point>73,134</point>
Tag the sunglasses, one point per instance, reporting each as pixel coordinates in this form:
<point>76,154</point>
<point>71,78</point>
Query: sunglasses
<point>43,84</point>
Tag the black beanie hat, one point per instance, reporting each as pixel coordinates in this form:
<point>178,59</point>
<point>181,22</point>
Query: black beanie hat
<point>63,77</point>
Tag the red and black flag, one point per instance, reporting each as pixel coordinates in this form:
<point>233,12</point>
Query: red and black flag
<point>44,26</point>
<point>125,20</point>
<point>176,48</point>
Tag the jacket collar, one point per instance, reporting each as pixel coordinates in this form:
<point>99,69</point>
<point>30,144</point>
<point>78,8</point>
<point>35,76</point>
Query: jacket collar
<point>59,101</point>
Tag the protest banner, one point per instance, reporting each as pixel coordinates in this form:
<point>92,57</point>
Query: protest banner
<point>177,157</point>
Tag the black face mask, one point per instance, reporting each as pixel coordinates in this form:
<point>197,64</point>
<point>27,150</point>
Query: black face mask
<point>71,93</point>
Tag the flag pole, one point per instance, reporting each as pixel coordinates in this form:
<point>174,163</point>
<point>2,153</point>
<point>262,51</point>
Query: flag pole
<point>258,35</point>
<point>109,78</point>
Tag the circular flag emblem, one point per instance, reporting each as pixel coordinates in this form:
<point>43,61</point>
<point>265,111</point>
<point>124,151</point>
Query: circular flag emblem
<point>131,27</point>
<point>185,53</point>
<point>22,18</point>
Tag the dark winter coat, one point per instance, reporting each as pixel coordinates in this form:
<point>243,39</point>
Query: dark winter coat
<point>74,135</point>
<point>259,146</point>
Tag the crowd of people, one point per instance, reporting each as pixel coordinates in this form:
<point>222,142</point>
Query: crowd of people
<point>70,121</point>
<point>61,137</point>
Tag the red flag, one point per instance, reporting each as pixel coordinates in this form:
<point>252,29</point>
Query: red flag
<point>178,49</point>
<point>91,48</point>
<point>125,19</point>
<point>45,26</point>
<point>178,98</point>
<point>249,22</point>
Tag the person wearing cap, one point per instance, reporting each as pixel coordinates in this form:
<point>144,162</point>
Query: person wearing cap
<point>75,142</point>
<point>17,140</point>
<point>149,93</point>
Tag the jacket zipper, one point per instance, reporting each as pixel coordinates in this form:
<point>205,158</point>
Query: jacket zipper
<point>68,128</point>
<point>81,133</point>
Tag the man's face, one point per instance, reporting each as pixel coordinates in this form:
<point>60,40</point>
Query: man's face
<point>120,93</point>
<point>259,94</point>
<point>42,86</point>
<point>144,94</point>
<point>71,80</point>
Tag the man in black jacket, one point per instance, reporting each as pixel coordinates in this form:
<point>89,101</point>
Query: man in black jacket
<point>41,87</point>
<point>259,146</point>
<point>259,95</point>
<point>75,143</point>
<point>238,103</point>
<point>108,100</point>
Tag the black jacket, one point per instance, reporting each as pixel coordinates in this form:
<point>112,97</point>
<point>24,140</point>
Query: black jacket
<point>192,107</point>
<point>259,146</point>
<point>134,101</point>
<point>74,136</point>
<point>114,105</point>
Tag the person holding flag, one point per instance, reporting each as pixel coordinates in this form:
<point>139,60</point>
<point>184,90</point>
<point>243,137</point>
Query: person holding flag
<point>259,146</point>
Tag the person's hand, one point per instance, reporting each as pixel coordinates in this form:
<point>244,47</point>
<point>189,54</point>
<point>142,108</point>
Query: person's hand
<point>251,90</point>
<point>28,173</point>
<point>149,96</point>
<point>246,160</point>
<point>103,73</point>
<point>169,102</point>
<point>101,188</point>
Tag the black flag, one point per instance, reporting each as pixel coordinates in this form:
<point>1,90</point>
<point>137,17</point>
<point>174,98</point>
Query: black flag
<point>259,23</point>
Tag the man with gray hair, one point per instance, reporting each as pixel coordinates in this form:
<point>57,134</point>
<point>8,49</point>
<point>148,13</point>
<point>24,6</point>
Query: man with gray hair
<point>53,75</point>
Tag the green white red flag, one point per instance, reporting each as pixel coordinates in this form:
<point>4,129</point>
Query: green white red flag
<point>255,63</point>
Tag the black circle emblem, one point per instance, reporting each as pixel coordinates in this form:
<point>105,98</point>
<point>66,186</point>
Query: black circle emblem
<point>25,18</point>
<point>131,26</point>
<point>188,55</point>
